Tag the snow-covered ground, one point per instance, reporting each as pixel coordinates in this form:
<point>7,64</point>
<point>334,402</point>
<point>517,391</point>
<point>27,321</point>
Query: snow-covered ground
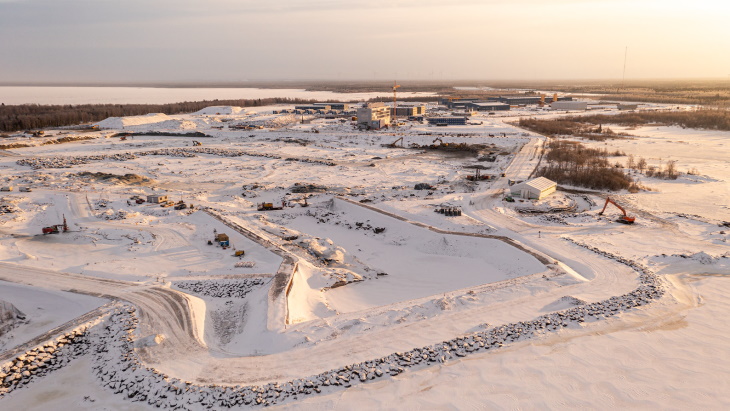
<point>357,266</point>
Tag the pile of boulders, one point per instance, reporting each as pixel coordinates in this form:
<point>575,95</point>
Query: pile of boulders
<point>120,369</point>
<point>67,162</point>
<point>43,359</point>
<point>221,288</point>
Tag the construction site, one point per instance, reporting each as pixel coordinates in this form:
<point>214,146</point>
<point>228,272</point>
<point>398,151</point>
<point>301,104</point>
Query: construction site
<point>351,260</point>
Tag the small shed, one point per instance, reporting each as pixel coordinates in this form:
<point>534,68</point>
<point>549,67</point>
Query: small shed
<point>536,189</point>
<point>222,240</point>
<point>157,198</point>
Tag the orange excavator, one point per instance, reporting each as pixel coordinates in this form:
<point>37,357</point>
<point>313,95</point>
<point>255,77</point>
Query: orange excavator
<point>625,219</point>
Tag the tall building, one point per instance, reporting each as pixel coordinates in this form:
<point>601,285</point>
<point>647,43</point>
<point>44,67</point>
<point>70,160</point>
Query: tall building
<point>373,116</point>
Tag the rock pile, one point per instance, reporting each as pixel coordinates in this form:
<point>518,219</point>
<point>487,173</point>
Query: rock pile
<point>67,162</point>
<point>119,368</point>
<point>221,288</point>
<point>43,359</point>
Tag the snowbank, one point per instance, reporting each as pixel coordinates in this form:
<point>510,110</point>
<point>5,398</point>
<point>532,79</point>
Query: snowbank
<point>121,122</point>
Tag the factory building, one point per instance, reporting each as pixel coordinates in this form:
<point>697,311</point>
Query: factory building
<point>373,116</point>
<point>333,106</point>
<point>487,106</point>
<point>524,100</point>
<point>313,107</point>
<point>447,121</point>
<point>535,189</point>
<point>569,105</point>
<point>409,111</point>
<point>453,103</point>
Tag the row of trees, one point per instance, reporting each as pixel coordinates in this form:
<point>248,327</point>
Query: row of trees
<point>569,162</point>
<point>34,116</point>
<point>709,119</point>
<point>572,126</point>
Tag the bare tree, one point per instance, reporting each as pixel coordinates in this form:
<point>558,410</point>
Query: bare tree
<point>641,164</point>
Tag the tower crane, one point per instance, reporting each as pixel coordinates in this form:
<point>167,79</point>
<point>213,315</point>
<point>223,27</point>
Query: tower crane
<point>395,112</point>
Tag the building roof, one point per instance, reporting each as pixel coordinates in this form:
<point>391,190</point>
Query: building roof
<point>540,183</point>
<point>490,104</point>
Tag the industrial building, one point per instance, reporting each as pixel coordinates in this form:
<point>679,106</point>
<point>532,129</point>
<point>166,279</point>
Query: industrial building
<point>447,121</point>
<point>312,107</point>
<point>524,100</point>
<point>487,106</point>
<point>373,116</point>
<point>332,106</point>
<point>409,111</point>
<point>536,189</point>
<point>157,198</point>
<point>569,105</point>
<point>453,103</point>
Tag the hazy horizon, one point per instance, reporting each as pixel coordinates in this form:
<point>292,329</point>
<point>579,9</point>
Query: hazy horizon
<point>226,41</point>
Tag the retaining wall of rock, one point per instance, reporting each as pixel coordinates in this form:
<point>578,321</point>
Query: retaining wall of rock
<point>119,368</point>
<point>43,359</point>
<point>221,288</point>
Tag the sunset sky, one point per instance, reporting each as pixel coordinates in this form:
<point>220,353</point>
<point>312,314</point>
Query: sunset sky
<point>236,40</point>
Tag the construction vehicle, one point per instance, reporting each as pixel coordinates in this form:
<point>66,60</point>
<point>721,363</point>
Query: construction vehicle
<point>197,143</point>
<point>395,143</point>
<point>478,176</point>
<point>55,229</point>
<point>269,207</point>
<point>167,204</point>
<point>181,206</point>
<point>239,253</point>
<point>122,138</point>
<point>624,219</point>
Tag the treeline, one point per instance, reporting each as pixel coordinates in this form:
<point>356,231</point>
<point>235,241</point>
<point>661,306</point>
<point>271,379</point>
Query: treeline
<point>572,163</point>
<point>703,119</point>
<point>569,126</point>
<point>34,116</point>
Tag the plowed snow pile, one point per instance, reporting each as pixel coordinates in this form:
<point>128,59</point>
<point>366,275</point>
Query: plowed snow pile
<point>121,122</point>
<point>219,110</point>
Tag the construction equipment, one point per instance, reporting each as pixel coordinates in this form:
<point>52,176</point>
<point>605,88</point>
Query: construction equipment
<point>395,103</point>
<point>269,207</point>
<point>239,253</point>
<point>122,138</point>
<point>395,143</point>
<point>478,176</point>
<point>625,219</point>
<point>197,143</point>
<point>181,206</point>
<point>222,240</point>
<point>55,229</point>
<point>439,140</point>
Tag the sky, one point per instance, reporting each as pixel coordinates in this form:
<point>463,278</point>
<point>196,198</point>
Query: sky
<point>118,41</point>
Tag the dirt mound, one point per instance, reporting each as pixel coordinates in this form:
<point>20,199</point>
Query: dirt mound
<point>130,179</point>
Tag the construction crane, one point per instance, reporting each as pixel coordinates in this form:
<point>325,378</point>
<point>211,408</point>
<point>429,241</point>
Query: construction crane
<point>624,219</point>
<point>395,103</point>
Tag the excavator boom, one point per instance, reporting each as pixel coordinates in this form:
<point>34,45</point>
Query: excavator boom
<point>625,219</point>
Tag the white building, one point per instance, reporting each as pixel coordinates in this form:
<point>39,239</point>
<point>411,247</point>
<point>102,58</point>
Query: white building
<point>373,116</point>
<point>157,198</point>
<point>536,189</point>
<point>569,105</point>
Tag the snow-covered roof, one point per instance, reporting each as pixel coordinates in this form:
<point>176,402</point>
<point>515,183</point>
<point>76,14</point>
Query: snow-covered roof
<point>540,183</point>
